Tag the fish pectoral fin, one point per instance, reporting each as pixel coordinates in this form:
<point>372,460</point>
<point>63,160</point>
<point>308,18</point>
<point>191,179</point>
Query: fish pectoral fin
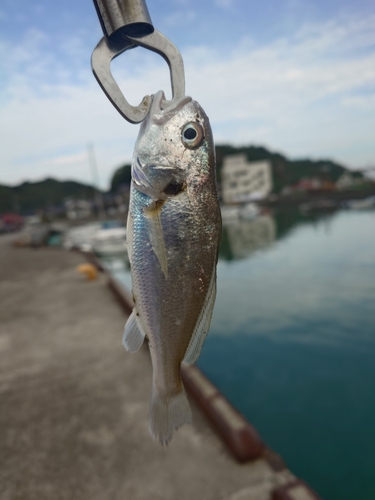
<point>133,334</point>
<point>157,238</point>
<point>203,324</point>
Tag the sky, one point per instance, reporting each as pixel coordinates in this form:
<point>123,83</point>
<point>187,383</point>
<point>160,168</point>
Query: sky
<point>296,76</point>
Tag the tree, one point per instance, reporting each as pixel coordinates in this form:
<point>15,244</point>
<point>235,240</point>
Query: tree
<point>121,177</point>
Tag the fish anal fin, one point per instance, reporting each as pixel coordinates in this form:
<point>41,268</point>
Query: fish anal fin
<point>203,324</point>
<point>133,334</point>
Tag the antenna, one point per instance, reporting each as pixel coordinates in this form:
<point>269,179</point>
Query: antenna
<point>95,178</point>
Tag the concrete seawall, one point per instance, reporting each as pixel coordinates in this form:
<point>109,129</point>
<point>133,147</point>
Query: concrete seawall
<point>74,403</point>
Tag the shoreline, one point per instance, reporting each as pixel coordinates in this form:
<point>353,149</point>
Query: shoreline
<point>74,403</point>
<point>239,436</point>
<point>300,198</point>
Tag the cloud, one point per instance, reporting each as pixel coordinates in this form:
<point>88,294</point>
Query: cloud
<point>69,159</point>
<point>179,17</point>
<point>224,4</point>
<point>291,94</point>
<point>310,93</point>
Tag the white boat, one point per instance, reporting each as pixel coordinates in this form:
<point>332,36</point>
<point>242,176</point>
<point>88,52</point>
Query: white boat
<point>80,237</point>
<point>249,211</point>
<point>230,214</point>
<point>103,238</point>
<point>109,241</point>
<point>361,204</point>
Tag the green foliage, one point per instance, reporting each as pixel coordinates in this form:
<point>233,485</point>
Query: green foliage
<point>285,172</point>
<point>31,196</point>
<point>7,200</point>
<point>121,177</point>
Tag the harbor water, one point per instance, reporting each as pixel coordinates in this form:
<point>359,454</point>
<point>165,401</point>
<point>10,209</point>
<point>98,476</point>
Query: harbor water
<point>292,341</point>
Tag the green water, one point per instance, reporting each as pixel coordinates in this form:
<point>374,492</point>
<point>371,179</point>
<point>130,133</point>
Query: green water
<point>292,342</point>
<point>292,345</point>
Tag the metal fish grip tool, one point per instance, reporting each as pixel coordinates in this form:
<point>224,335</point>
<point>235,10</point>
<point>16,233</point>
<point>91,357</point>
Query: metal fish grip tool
<point>127,24</point>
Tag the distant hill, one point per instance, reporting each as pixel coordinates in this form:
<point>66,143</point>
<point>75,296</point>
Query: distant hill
<point>285,172</point>
<point>31,196</point>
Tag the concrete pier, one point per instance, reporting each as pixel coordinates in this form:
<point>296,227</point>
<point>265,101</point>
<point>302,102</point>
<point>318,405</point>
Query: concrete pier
<point>74,403</point>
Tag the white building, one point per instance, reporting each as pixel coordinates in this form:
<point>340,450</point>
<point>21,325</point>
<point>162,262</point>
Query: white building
<point>347,181</point>
<point>245,181</point>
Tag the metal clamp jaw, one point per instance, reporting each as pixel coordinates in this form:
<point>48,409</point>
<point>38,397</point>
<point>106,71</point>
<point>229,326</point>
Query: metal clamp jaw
<point>126,24</point>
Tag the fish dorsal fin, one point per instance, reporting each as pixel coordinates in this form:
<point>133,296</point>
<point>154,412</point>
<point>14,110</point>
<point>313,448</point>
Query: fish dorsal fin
<point>133,334</point>
<point>203,324</point>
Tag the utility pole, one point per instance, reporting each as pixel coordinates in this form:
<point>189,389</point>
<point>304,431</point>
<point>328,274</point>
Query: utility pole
<point>95,178</point>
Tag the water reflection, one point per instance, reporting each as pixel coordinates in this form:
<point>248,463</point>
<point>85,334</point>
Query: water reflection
<point>314,286</point>
<point>292,342</point>
<point>292,339</point>
<point>241,238</point>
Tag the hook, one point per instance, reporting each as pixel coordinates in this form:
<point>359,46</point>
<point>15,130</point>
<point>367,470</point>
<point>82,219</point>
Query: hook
<point>127,24</point>
<point>127,17</point>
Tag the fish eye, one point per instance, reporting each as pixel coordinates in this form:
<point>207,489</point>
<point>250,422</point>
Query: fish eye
<point>192,135</point>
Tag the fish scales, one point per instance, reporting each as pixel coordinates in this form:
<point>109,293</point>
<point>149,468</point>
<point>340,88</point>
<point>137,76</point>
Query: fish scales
<point>174,229</point>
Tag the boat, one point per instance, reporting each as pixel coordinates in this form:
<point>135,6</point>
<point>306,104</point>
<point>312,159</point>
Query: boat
<point>103,238</point>
<point>230,214</point>
<point>80,237</point>
<point>249,211</point>
<point>322,205</point>
<point>363,204</point>
<point>110,241</point>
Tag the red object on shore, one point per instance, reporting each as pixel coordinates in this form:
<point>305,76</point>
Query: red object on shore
<point>233,428</point>
<point>12,219</point>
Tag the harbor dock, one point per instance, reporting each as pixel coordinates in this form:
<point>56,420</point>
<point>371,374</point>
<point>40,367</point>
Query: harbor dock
<point>74,403</point>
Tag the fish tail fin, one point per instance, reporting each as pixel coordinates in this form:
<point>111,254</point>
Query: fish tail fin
<point>167,413</point>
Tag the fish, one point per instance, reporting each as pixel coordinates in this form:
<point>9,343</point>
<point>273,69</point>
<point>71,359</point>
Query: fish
<point>173,235</point>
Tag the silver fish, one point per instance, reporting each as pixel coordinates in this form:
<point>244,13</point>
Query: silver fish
<point>173,233</point>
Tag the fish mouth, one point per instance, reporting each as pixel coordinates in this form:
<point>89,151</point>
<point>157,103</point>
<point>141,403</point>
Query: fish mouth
<point>157,181</point>
<point>162,110</point>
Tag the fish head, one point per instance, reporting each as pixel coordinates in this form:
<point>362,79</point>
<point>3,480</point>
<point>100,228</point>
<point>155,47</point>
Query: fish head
<point>174,150</point>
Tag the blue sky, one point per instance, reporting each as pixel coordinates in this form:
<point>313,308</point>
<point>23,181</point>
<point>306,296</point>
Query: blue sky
<point>297,76</point>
